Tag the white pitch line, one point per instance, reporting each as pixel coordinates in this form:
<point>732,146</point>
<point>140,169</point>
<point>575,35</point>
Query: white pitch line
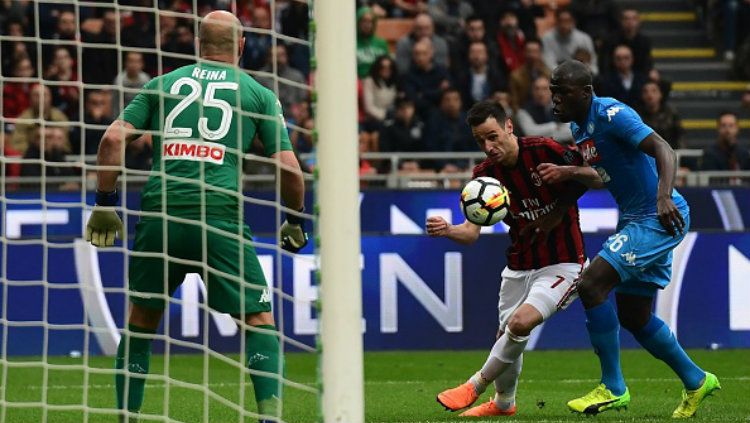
<point>383,382</point>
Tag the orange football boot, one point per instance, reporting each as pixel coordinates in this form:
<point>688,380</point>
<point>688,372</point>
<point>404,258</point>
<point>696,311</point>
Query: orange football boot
<point>459,397</point>
<point>488,409</point>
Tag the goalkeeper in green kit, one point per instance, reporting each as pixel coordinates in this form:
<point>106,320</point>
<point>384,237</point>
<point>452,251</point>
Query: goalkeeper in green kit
<point>203,118</point>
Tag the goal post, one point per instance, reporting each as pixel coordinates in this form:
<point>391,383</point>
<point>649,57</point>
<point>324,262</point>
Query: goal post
<point>337,194</point>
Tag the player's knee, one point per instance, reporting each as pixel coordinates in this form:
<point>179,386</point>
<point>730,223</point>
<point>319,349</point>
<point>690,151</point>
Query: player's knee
<point>631,322</point>
<point>264,318</point>
<point>589,292</point>
<point>145,317</point>
<point>521,324</point>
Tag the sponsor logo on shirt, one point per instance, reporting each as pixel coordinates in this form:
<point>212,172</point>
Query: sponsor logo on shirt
<point>588,151</point>
<point>201,151</point>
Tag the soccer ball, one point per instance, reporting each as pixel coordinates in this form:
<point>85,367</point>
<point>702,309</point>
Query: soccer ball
<point>485,201</point>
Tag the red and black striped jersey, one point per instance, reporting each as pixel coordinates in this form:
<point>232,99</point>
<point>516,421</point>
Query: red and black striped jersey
<point>530,198</point>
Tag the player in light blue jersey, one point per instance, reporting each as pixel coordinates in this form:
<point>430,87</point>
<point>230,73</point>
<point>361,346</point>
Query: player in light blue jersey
<point>638,168</point>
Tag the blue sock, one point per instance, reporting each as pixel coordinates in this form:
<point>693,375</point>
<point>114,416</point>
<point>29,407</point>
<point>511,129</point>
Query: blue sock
<point>604,331</point>
<point>657,339</point>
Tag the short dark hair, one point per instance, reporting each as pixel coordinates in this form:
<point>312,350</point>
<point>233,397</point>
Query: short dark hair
<point>727,112</point>
<point>449,90</point>
<point>563,10</point>
<point>483,110</point>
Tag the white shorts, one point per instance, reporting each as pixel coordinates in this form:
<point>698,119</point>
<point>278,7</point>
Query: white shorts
<point>546,289</point>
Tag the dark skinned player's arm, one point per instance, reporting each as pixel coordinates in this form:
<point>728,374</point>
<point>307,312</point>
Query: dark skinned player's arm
<point>666,165</point>
<point>666,162</point>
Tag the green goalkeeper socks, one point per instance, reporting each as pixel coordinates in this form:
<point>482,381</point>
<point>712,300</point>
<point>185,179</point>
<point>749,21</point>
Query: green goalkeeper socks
<point>139,357</point>
<point>263,353</point>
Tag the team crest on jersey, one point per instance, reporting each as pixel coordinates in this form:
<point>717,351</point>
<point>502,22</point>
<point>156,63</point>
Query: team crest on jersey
<point>612,111</point>
<point>590,128</point>
<point>201,151</point>
<point>535,178</point>
<point>588,151</point>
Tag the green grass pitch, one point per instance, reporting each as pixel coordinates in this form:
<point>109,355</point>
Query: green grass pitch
<point>400,387</point>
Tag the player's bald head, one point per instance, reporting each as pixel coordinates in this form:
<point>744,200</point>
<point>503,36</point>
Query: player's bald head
<point>572,73</point>
<point>220,33</point>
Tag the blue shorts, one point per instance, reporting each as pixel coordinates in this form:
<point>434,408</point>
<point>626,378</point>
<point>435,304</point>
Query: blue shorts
<point>641,253</point>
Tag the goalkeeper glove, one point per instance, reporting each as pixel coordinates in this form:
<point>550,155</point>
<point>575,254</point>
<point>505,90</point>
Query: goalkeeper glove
<point>104,224</point>
<point>292,234</point>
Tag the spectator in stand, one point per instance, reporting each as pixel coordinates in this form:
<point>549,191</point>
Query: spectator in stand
<point>303,140</point>
<point>132,79</point>
<point>142,33</point>
<point>630,35</point>
<point>64,96</point>
<point>39,109</point>
<point>450,16</point>
<point>447,129</point>
<point>423,28</point>
<point>100,64</point>
<point>295,22</point>
<point>369,45</point>
<point>289,95</point>
<point>426,80</point>
<point>560,43</point>
<point>52,150</point>
<point>181,41</point>
<point>401,8</point>
<point>97,115</point>
<point>11,52</point>
<point>64,31</point>
<point>405,132</point>
<point>379,91</point>
<point>623,83</point>
<point>511,41</point>
<point>257,45</point>
<point>527,12</point>
<point>474,31</point>
<point>598,18</point>
<point>16,94</point>
<point>726,153</point>
<point>536,118</point>
<point>481,78</point>
<point>661,116</point>
<point>521,78</point>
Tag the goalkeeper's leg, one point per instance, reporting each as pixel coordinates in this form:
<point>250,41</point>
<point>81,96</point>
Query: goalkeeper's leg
<point>263,353</point>
<point>134,356</point>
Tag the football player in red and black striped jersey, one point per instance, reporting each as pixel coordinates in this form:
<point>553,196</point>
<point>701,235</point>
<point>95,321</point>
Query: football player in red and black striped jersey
<point>545,257</point>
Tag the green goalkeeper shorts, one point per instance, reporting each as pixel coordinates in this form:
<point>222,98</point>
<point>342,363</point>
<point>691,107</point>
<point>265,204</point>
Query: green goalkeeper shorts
<point>220,266</point>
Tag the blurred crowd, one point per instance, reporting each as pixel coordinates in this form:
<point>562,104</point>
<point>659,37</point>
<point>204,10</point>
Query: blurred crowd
<point>413,91</point>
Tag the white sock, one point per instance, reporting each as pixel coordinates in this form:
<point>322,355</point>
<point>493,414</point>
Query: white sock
<point>505,352</point>
<point>505,385</point>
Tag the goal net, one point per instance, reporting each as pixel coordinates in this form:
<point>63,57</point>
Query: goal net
<point>69,68</point>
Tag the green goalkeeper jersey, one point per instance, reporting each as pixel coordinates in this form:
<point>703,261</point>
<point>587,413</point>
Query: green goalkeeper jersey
<point>203,117</point>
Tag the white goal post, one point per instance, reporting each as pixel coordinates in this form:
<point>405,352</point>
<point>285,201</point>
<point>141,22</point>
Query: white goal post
<point>338,220</point>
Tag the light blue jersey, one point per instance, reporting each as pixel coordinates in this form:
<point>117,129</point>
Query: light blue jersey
<point>641,250</point>
<point>609,142</point>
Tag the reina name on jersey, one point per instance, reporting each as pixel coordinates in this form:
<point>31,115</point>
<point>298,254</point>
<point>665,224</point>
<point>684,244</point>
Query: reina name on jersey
<point>210,75</point>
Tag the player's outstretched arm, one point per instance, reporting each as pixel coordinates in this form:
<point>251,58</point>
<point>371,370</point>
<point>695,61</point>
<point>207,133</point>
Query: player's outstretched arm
<point>666,164</point>
<point>552,174</point>
<point>466,233</point>
<point>292,233</point>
